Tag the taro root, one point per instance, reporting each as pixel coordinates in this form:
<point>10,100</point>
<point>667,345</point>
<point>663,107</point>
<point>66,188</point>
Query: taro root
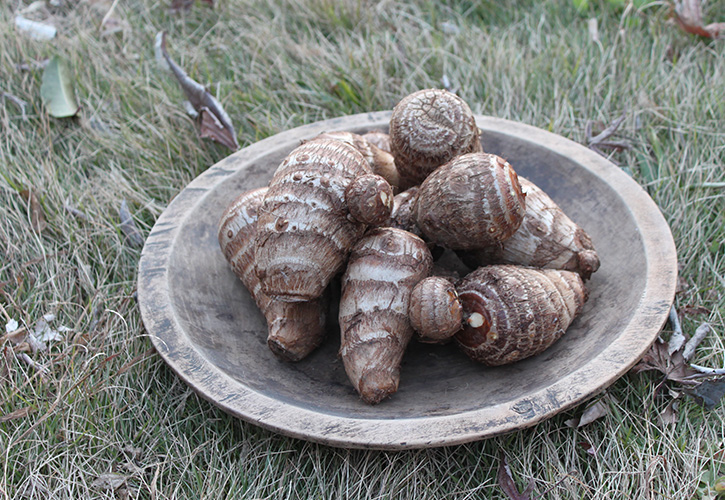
<point>384,267</point>
<point>370,199</point>
<point>473,201</point>
<point>427,129</point>
<point>547,238</point>
<point>305,230</point>
<point>380,160</point>
<point>295,329</point>
<point>435,311</point>
<point>511,312</point>
<point>378,138</point>
<point>403,215</point>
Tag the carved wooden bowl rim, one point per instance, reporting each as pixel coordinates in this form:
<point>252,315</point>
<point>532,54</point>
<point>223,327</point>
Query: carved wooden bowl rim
<point>234,397</point>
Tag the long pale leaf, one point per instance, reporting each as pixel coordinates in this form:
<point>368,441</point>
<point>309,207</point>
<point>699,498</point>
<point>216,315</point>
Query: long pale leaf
<point>57,90</point>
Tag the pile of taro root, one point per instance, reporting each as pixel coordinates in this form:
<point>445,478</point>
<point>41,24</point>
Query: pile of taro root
<point>331,207</point>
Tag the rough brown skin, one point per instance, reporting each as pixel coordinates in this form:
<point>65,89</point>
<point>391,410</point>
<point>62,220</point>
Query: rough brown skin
<point>547,238</point>
<point>403,215</point>
<point>427,129</point>
<point>384,267</point>
<point>305,233</point>
<point>435,311</point>
<point>369,199</point>
<point>380,160</point>
<point>378,138</point>
<point>473,201</point>
<point>294,329</point>
<point>511,312</point>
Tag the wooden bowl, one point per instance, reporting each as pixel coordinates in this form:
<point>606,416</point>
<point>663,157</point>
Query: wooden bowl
<point>206,327</point>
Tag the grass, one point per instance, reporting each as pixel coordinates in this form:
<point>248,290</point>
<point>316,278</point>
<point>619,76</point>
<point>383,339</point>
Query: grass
<point>107,419</point>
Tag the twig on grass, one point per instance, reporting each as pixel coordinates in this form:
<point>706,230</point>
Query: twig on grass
<point>706,370</point>
<point>601,140</point>
<point>695,341</point>
<point>677,339</point>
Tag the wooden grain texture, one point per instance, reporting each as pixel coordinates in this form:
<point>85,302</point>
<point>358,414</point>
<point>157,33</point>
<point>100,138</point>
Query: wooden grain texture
<point>205,325</point>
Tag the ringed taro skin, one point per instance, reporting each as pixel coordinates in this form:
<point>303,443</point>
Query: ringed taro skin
<point>295,329</point>
<point>511,312</point>
<point>305,229</point>
<point>384,267</point>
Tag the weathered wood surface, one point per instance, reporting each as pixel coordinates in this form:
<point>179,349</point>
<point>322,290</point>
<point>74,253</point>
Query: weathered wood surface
<point>205,325</point>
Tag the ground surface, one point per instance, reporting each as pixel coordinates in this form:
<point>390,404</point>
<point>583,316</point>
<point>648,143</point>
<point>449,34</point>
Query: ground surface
<point>99,415</point>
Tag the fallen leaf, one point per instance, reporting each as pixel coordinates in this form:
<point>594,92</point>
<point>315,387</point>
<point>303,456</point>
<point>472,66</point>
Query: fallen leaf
<point>691,310</point>
<point>202,101</point>
<point>588,447</point>
<point>11,325</point>
<point>34,29</point>
<point>212,128</point>
<point>592,413</point>
<point>37,216</point>
<point>708,393</point>
<point>5,362</point>
<point>669,414</point>
<point>507,484</point>
<point>44,333</point>
<point>688,15</point>
<point>57,90</point>
<point>109,481</point>
<point>673,366</point>
<point>19,413</point>
<point>128,226</point>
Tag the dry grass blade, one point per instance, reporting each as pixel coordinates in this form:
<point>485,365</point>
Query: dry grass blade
<point>17,101</point>
<point>19,413</point>
<point>202,101</point>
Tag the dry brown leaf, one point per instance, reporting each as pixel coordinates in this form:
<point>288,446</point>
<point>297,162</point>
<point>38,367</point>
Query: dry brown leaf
<point>692,310</point>
<point>217,127</point>
<point>19,413</point>
<point>588,447</point>
<point>128,226</point>
<point>669,414</point>
<point>507,484</point>
<point>212,128</point>
<point>688,15</point>
<point>5,362</point>
<point>37,216</point>
<point>594,412</point>
<point>672,366</point>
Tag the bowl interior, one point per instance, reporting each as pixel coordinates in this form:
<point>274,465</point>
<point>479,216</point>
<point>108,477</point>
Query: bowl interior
<point>223,324</point>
